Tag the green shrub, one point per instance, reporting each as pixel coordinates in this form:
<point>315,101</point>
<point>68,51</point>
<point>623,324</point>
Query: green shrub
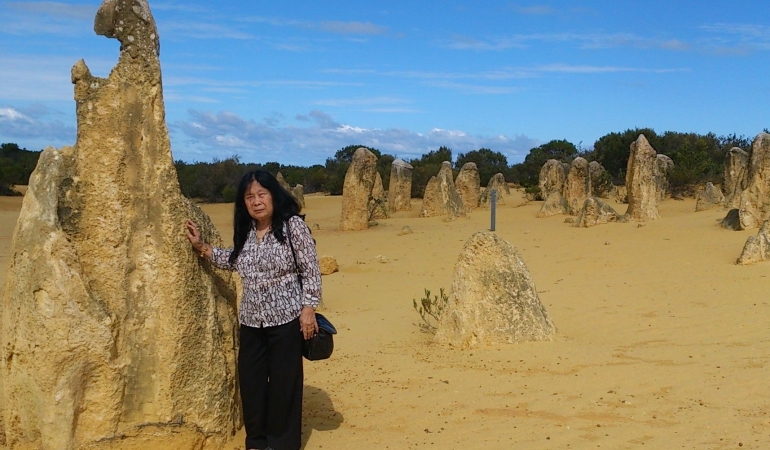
<point>431,309</point>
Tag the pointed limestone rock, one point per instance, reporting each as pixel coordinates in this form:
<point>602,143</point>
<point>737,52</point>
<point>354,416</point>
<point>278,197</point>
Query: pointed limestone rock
<point>755,199</point>
<point>493,299</point>
<point>468,185</point>
<point>597,212</point>
<point>378,203</point>
<point>551,182</point>
<point>498,184</point>
<point>112,326</point>
<point>735,175</point>
<point>357,190</point>
<point>577,188</point>
<point>282,181</point>
<point>757,248</point>
<point>400,186</point>
<point>641,186</point>
<point>709,197</point>
<point>299,193</point>
<point>663,164</point>
<point>441,198</point>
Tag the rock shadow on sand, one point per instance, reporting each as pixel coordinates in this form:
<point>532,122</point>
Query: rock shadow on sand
<point>318,413</point>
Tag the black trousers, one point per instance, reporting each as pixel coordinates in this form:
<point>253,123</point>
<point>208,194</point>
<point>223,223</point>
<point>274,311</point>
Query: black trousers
<point>270,373</point>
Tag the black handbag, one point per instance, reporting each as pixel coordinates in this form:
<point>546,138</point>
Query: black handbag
<point>321,345</point>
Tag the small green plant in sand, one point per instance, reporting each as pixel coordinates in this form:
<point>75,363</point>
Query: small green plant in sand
<point>431,309</point>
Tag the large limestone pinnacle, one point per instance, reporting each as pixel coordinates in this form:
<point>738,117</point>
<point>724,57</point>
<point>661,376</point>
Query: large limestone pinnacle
<point>113,329</point>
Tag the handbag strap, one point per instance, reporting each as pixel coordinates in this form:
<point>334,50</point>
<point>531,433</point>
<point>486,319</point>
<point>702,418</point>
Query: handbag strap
<point>294,254</point>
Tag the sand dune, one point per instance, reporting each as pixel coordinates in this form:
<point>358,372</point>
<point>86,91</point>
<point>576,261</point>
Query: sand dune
<point>663,342</point>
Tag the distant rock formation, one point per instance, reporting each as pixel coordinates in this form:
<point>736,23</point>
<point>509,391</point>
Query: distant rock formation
<point>621,194</point>
<point>299,194</point>
<point>736,176</point>
<point>113,328</point>
<point>755,199</point>
<point>282,181</point>
<point>493,298</point>
<point>709,197</point>
<point>378,201</point>
<point>498,184</point>
<point>577,188</point>
<point>641,181</point>
<point>357,190</point>
<point>551,183</point>
<point>441,197</point>
<point>663,164</point>
<point>400,186</point>
<point>596,212</point>
<point>600,185</point>
<point>468,185</point>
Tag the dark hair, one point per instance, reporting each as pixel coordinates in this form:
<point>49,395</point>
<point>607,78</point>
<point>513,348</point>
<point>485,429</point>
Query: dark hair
<point>284,207</point>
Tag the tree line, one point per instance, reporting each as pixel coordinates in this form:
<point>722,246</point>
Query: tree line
<point>697,159</point>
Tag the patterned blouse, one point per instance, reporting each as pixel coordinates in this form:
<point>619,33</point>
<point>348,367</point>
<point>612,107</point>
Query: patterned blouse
<point>271,292</point>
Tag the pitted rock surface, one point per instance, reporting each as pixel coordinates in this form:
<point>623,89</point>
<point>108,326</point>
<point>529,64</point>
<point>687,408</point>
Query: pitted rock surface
<point>498,184</point>
<point>468,185</point>
<point>577,188</point>
<point>357,190</point>
<point>441,197</point>
<point>400,186</point>
<point>641,181</point>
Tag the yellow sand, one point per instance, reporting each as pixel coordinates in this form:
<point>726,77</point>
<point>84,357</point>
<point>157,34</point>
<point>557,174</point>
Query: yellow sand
<point>663,341</point>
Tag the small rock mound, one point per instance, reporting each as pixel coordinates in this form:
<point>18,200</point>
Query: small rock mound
<point>405,230</point>
<point>497,183</point>
<point>328,265</point>
<point>596,212</point>
<point>493,298</point>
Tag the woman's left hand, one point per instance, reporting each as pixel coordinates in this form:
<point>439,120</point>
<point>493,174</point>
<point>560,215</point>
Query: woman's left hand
<point>307,323</point>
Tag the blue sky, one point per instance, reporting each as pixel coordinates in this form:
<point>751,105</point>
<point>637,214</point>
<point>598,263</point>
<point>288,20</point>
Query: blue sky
<point>294,81</point>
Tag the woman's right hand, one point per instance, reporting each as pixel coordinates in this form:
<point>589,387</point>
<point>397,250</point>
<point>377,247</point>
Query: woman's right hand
<point>195,238</point>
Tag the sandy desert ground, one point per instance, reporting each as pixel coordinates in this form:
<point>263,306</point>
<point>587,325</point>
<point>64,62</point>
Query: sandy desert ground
<point>663,341</point>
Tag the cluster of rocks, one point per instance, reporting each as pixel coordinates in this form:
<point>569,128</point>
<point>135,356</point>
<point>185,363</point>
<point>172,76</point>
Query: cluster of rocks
<point>441,197</point>
<point>114,331</point>
<point>748,186</point>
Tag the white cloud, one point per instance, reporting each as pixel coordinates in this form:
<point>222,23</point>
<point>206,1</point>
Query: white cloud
<point>209,135</point>
<point>34,123</point>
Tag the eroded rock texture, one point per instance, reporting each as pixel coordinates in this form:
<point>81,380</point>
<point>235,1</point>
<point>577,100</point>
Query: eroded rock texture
<point>468,185</point>
<point>757,248</point>
<point>755,199</point>
<point>577,188</point>
<point>641,186</point>
<point>596,212</point>
<point>357,190</point>
<point>551,181</point>
<point>601,185</point>
<point>736,175</point>
<point>282,181</point>
<point>441,197</point>
<point>498,184</point>
<point>709,197</point>
<point>298,192</point>
<point>493,298</point>
<point>378,202</point>
<point>663,164</point>
<point>113,329</point>
<point>400,186</point>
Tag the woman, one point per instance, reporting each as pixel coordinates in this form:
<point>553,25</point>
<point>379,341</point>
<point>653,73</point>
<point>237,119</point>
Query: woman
<point>277,309</point>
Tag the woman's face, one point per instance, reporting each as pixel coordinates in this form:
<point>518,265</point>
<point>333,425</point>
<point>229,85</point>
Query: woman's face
<point>259,202</point>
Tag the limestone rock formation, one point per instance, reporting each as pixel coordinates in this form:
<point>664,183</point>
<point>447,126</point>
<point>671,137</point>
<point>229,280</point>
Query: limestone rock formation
<point>497,182</point>
<point>641,186</point>
<point>299,193</point>
<point>493,298</point>
<point>328,265</point>
<point>113,329</point>
<point>755,199</point>
<point>441,197</point>
<point>601,183</point>
<point>357,190</point>
<point>400,186</point>
<point>663,164</point>
<point>709,197</point>
<point>621,194</point>
<point>735,175</point>
<point>757,248</point>
<point>577,188</point>
<point>378,201</point>
<point>468,185</point>
<point>282,181</point>
<point>596,212</point>
<point>551,182</point>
